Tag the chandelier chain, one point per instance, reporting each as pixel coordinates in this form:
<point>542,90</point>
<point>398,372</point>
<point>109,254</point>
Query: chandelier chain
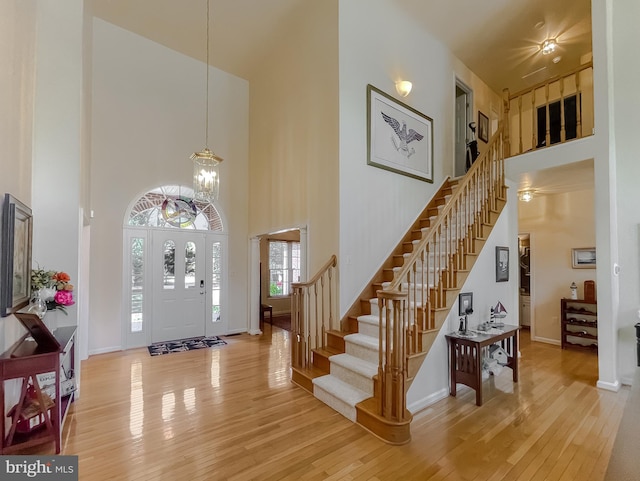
<point>206,132</point>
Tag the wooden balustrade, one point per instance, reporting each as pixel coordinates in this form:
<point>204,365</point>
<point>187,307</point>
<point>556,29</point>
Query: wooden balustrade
<point>523,125</point>
<point>408,304</point>
<point>313,313</point>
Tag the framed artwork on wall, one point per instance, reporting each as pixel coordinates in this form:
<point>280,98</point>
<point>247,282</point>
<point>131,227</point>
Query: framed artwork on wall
<point>583,258</point>
<point>502,264</point>
<point>483,127</point>
<point>15,263</point>
<point>399,138</point>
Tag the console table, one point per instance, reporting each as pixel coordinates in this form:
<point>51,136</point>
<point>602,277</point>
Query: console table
<point>465,357</point>
<point>38,352</point>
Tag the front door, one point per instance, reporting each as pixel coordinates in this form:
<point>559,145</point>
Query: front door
<point>179,284</point>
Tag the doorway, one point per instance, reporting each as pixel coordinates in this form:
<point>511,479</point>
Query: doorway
<point>463,116</point>
<point>524,281</point>
<point>174,268</point>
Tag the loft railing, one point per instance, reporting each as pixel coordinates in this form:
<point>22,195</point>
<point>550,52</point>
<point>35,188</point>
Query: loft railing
<point>408,304</point>
<point>553,111</point>
<point>313,313</point>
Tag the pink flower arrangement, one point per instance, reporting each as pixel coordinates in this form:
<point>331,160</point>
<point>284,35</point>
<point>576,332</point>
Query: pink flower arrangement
<point>53,287</point>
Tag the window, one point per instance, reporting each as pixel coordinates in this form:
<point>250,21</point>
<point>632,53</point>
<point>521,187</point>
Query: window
<point>284,267</point>
<point>570,121</point>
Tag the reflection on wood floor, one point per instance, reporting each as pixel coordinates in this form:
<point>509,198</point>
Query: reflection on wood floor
<point>232,413</point>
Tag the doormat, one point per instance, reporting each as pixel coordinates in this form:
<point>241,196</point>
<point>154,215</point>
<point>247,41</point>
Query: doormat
<point>167,347</point>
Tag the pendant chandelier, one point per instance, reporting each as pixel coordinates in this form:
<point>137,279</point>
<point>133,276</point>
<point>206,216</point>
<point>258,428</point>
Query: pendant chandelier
<point>206,173</point>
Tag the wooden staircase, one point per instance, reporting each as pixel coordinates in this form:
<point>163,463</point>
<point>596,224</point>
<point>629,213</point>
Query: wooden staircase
<point>363,364</point>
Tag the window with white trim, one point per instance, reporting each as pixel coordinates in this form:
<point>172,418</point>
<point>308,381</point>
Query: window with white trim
<point>284,267</point>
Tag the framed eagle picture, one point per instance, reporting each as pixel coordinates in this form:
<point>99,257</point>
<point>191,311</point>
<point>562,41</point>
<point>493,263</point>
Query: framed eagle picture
<point>400,139</point>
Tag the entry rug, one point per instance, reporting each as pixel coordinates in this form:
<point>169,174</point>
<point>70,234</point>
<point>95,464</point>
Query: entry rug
<point>158,348</point>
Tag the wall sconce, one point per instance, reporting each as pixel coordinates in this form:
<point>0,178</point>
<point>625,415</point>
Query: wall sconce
<point>403,87</point>
<point>548,46</point>
<point>525,195</point>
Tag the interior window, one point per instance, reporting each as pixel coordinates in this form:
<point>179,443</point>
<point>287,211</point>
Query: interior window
<point>555,121</point>
<point>284,267</point>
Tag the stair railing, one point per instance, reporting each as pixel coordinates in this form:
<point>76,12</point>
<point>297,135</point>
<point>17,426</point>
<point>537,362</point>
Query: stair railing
<point>419,287</point>
<point>313,312</point>
<point>521,109</point>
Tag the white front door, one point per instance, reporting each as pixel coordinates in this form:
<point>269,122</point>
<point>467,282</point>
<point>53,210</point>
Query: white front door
<point>180,285</point>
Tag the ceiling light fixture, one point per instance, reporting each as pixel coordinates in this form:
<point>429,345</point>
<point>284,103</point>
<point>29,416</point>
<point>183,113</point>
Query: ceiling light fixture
<point>525,195</point>
<point>548,46</point>
<point>403,87</point>
<point>206,173</point>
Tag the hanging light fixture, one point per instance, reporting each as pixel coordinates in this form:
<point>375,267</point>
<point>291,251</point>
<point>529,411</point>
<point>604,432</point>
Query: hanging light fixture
<point>206,172</point>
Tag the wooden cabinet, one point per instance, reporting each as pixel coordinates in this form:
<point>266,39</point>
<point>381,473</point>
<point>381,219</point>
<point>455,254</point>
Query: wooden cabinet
<point>38,416</point>
<point>579,324</point>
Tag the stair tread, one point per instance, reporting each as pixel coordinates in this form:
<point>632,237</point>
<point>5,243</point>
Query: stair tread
<point>355,364</point>
<point>327,351</point>
<point>340,389</point>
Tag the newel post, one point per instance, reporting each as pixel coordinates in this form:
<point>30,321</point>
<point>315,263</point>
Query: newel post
<point>505,122</point>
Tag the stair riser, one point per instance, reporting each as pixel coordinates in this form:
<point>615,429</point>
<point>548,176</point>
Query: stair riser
<point>353,378</point>
<point>362,352</point>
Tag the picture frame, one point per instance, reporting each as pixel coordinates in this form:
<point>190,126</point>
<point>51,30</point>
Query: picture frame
<point>465,303</point>
<point>583,258</point>
<point>502,264</point>
<point>483,127</point>
<point>399,137</point>
<point>15,262</point>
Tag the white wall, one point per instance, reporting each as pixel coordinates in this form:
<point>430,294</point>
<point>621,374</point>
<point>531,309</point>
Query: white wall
<point>626,119</point>
<point>294,131</point>
<point>148,116</point>
<point>17,79</point>
<point>377,206</point>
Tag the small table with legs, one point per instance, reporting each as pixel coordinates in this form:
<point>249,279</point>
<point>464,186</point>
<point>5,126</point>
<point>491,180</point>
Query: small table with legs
<point>465,356</point>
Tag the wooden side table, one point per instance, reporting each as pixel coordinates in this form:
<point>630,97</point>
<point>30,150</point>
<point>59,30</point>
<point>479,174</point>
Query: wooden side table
<point>465,357</point>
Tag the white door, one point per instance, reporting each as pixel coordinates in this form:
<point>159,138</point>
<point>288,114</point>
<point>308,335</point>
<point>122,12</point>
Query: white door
<point>180,284</point>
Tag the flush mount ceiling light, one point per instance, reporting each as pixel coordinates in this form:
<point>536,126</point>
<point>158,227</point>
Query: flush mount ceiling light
<point>525,195</point>
<point>548,46</point>
<point>206,174</point>
<point>403,87</point>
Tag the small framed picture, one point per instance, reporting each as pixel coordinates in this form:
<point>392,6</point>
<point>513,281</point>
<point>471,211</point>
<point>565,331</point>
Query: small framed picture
<point>583,258</point>
<point>465,303</point>
<point>502,264</point>
<point>483,127</point>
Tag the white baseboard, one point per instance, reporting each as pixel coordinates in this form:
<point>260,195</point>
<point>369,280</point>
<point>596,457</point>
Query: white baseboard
<point>253,332</point>
<point>105,350</point>
<point>609,386</point>
<point>425,402</point>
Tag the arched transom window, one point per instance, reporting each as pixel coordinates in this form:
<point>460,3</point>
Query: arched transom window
<point>173,206</point>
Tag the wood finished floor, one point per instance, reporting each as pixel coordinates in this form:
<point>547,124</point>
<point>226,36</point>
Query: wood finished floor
<point>231,413</point>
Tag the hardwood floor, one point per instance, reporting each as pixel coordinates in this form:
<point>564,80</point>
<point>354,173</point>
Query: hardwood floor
<point>231,413</point>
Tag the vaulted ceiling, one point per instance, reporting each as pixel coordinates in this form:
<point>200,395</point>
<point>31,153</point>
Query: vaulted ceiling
<point>499,40</point>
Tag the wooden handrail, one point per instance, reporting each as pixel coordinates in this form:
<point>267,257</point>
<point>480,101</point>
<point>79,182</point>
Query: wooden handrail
<point>447,209</point>
<point>524,121</point>
<point>313,313</point>
<point>551,80</point>
<point>406,304</point>
<point>332,262</point>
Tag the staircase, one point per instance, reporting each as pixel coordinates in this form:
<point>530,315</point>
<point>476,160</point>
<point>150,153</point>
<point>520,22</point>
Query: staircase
<point>363,365</point>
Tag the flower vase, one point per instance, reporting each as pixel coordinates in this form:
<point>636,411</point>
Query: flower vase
<point>38,306</point>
